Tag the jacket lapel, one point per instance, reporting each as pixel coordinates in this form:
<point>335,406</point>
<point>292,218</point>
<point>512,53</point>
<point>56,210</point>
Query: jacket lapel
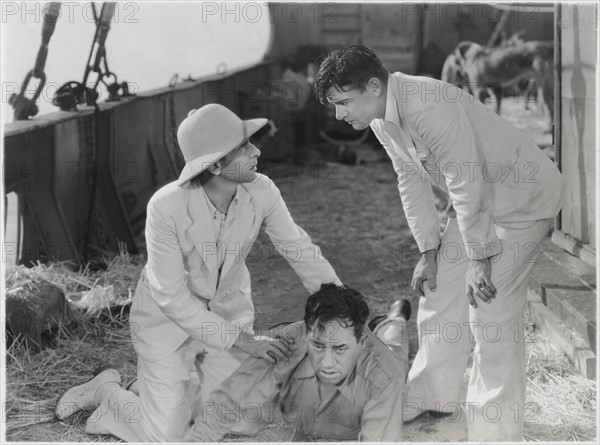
<point>423,158</point>
<point>417,156</point>
<point>201,232</point>
<point>243,219</point>
<point>418,150</point>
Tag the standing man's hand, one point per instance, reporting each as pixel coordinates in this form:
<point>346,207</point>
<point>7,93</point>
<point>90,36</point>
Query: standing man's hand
<point>272,350</point>
<point>479,281</point>
<point>425,270</point>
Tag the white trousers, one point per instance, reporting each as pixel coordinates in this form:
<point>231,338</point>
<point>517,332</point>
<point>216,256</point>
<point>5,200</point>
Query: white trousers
<point>170,391</point>
<point>448,325</point>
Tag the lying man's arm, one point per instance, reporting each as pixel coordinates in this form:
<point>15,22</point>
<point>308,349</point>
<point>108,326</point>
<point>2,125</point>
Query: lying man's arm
<point>382,417</point>
<point>245,402</point>
<point>241,403</point>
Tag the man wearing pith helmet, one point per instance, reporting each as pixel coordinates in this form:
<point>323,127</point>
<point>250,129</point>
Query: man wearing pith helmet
<point>193,298</point>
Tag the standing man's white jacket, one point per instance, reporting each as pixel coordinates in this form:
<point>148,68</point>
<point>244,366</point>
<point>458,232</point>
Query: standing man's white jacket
<point>505,191</point>
<point>180,294</point>
<point>494,174</point>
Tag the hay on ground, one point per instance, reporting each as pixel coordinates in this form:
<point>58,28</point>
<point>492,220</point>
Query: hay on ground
<point>561,404</point>
<point>101,336</point>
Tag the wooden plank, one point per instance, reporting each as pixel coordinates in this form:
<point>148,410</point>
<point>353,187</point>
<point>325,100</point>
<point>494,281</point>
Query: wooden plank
<point>46,231</point>
<point>110,200</point>
<point>393,33</point>
<point>352,23</point>
<point>72,163</point>
<point>578,121</point>
<point>143,156</point>
<point>557,126</point>
<point>346,9</point>
<point>571,264</point>
<point>576,309</point>
<point>583,358</point>
<point>335,40</point>
<point>574,246</point>
<point>404,62</point>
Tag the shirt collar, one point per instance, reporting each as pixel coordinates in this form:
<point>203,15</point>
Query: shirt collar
<point>391,104</point>
<point>211,207</point>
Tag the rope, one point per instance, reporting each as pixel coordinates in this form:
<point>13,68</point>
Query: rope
<point>23,107</point>
<point>92,141</point>
<point>73,93</point>
<point>179,161</point>
<point>102,28</point>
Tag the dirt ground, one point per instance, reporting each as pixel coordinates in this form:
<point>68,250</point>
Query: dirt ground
<point>355,215</point>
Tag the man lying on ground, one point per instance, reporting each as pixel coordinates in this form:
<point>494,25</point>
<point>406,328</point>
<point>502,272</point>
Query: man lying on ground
<point>341,382</point>
<point>344,380</point>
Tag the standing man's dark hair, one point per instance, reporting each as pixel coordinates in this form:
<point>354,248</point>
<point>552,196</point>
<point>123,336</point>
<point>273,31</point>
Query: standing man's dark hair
<point>339,303</point>
<point>350,68</point>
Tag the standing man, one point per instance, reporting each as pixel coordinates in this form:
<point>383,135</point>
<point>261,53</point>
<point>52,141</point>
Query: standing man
<point>504,192</point>
<point>193,297</point>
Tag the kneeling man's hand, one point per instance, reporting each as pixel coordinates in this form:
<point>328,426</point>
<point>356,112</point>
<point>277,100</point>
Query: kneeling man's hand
<point>479,281</point>
<point>266,348</point>
<point>425,270</point>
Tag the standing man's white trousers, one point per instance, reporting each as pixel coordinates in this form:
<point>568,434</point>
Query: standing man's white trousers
<point>495,403</point>
<point>170,393</point>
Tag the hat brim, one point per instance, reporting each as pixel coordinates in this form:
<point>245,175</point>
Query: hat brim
<point>201,163</point>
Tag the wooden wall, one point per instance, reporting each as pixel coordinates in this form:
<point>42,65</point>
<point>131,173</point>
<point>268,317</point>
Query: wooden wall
<point>577,133</point>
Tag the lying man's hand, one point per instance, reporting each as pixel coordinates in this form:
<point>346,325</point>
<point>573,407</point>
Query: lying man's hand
<point>479,281</point>
<point>425,270</point>
<point>266,348</point>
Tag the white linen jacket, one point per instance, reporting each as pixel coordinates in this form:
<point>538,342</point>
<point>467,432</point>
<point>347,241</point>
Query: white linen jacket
<point>178,295</point>
<point>436,133</point>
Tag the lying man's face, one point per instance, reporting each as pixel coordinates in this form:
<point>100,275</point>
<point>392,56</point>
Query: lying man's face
<point>333,351</point>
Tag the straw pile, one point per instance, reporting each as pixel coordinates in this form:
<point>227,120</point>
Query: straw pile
<point>100,336</point>
<point>92,291</point>
<point>561,404</point>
